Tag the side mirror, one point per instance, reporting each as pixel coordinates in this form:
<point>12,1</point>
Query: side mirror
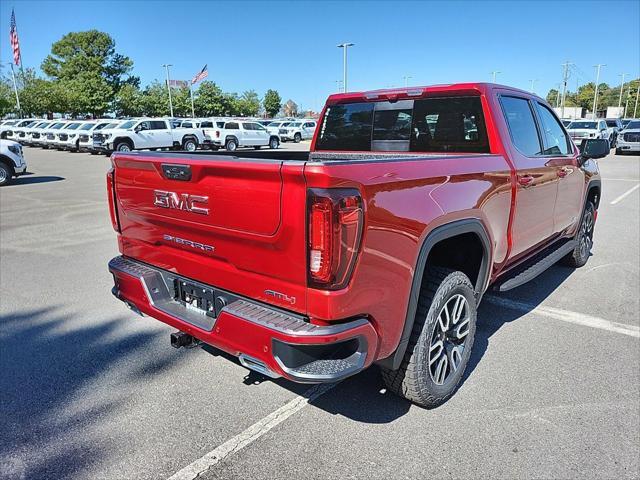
<point>594,148</point>
<point>139,128</point>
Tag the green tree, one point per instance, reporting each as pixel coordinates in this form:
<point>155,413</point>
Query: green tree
<point>7,97</point>
<point>249,103</point>
<point>129,101</point>
<point>181,102</point>
<point>272,102</point>
<point>552,97</point>
<point>210,101</point>
<point>155,100</point>
<point>89,70</point>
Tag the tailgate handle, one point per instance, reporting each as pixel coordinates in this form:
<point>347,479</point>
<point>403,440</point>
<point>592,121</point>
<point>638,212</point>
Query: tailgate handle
<point>177,172</point>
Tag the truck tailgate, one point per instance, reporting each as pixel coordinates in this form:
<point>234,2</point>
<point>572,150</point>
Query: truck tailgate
<point>215,219</point>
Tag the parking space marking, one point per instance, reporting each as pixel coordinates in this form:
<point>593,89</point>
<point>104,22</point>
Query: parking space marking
<point>568,316</point>
<point>625,194</point>
<point>251,434</point>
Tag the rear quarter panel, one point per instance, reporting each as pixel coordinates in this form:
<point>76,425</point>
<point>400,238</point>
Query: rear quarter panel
<point>404,200</point>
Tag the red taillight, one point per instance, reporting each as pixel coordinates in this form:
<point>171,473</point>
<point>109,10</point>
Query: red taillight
<point>111,197</point>
<point>217,133</point>
<point>335,228</point>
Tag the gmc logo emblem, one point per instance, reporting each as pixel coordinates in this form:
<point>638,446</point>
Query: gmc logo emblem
<point>181,201</point>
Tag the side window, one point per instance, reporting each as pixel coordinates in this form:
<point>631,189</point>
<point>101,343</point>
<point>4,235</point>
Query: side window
<point>555,140</point>
<point>257,126</point>
<point>522,126</point>
<point>186,125</point>
<point>248,126</point>
<point>232,126</point>
<point>220,124</point>
<point>206,125</point>
<point>158,125</point>
<point>145,125</point>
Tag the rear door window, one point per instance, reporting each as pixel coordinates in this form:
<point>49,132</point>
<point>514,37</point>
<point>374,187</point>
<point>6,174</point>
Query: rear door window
<point>232,126</point>
<point>158,125</point>
<point>522,125</point>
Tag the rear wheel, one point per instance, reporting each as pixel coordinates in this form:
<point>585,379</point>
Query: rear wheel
<point>231,145</point>
<point>441,341</point>
<point>274,143</point>
<point>584,239</point>
<point>189,144</point>
<point>297,138</point>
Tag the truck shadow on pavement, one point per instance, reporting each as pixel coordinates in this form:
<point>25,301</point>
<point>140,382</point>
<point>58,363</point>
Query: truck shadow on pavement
<point>29,179</point>
<point>364,398</point>
<point>52,366</point>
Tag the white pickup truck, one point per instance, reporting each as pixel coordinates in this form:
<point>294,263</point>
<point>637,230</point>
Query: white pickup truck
<point>149,133</point>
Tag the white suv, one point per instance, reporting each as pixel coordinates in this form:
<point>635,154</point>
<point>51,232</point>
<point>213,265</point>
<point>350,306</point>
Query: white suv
<point>12,161</point>
<point>297,131</point>
<point>239,133</point>
<point>580,130</point>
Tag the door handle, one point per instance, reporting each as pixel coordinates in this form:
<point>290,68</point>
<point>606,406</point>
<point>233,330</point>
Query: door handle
<point>525,181</point>
<point>564,171</point>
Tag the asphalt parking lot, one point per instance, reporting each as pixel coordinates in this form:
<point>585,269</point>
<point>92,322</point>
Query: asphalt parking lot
<point>90,390</point>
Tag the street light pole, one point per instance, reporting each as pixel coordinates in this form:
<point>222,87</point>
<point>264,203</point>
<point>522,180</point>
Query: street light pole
<point>406,80</point>
<point>533,82</point>
<point>636,107</point>
<point>595,96</point>
<point>621,88</point>
<point>495,73</point>
<point>344,46</point>
<point>166,66</point>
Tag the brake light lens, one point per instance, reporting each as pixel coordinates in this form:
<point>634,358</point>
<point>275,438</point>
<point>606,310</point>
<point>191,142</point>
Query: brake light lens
<point>111,197</point>
<point>217,133</point>
<point>335,219</point>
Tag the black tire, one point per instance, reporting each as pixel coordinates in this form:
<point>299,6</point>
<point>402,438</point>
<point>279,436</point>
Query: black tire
<point>189,144</point>
<point>257,147</point>
<point>297,138</point>
<point>414,379</point>
<point>618,151</point>
<point>580,255</point>
<point>123,146</point>
<point>6,174</point>
<point>274,143</point>
<point>231,145</point>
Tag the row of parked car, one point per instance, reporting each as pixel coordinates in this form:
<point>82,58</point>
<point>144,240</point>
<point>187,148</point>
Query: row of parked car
<point>108,135</point>
<point>622,134</point>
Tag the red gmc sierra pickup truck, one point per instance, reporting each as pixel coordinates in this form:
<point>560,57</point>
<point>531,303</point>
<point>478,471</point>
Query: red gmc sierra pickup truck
<point>375,246</point>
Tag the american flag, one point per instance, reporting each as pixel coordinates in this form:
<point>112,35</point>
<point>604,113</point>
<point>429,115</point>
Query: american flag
<point>13,35</point>
<point>203,74</point>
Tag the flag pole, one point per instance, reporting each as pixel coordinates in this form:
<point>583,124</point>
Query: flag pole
<point>15,87</point>
<point>193,111</point>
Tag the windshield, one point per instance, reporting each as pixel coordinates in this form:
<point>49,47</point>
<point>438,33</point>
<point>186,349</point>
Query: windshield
<point>583,125</point>
<point>612,123</point>
<point>274,124</point>
<point>295,124</point>
<point>13,122</point>
<point>128,124</point>
<point>73,126</point>
<point>25,123</point>
<point>633,125</point>
<point>42,125</point>
<point>58,126</point>
<point>87,126</point>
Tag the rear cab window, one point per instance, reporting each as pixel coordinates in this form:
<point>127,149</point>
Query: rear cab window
<point>432,124</point>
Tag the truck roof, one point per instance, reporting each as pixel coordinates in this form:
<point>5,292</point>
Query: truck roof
<point>420,91</point>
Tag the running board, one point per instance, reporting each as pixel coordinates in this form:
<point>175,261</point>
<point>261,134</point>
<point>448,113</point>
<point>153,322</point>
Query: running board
<point>528,271</point>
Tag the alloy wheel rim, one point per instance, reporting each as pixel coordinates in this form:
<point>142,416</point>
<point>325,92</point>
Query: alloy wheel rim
<point>448,340</point>
<point>3,175</point>
<point>586,234</point>
<point>191,147</point>
<point>124,148</point>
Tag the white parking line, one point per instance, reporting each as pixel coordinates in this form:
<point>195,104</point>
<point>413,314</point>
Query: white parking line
<point>251,434</point>
<point>567,316</point>
<point>625,194</point>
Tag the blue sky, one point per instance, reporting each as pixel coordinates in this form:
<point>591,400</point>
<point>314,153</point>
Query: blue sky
<point>291,46</point>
